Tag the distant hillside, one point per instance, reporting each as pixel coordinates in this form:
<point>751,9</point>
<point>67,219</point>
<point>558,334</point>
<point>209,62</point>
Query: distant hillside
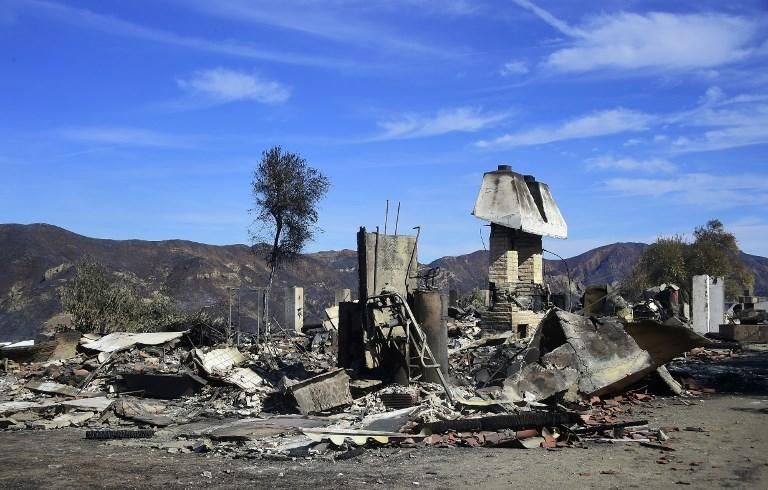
<point>759,267</point>
<point>603,265</point>
<point>36,261</point>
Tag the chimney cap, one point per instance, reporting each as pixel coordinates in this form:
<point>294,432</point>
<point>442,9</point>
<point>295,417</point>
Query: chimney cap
<point>505,168</point>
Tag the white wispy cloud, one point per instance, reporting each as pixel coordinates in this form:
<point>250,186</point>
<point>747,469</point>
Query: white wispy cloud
<point>319,21</point>
<point>433,7</point>
<point>124,136</point>
<point>88,19</point>
<point>724,138</point>
<point>700,189</point>
<point>550,19</point>
<point>632,164</point>
<point>723,122</point>
<point>654,40</point>
<point>462,119</point>
<point>600,123</point>
<point>514,68</point>
<point>223,85</point>
<point>718,122</point>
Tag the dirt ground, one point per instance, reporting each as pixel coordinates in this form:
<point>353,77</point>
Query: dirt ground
<point>722,443</point>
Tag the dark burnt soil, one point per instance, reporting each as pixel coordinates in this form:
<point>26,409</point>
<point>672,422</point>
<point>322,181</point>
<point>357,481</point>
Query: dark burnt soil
<point>722,443</point>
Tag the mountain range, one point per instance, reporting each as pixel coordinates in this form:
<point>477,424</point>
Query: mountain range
<point>37,260</point>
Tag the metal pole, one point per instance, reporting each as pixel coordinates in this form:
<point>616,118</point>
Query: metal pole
<point>239,306</point>
<point>259,304</point>
<point>386,216</point>
<point>268,331</point>
<point>413,252</point>
<point>229,328</point>
<point>375,262</point>
<point>568,272</point>
<point>397,217</point>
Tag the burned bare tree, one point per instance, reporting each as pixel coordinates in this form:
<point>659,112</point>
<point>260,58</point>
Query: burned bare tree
<point>286,192</point>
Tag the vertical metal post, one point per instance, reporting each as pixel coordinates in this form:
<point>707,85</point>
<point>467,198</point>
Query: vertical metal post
<point>259,304</point>
<point>239,319</point>
<point>567,270</point>
<point>229,327</point>
<point>397,217</point>
<point>386,216</point>
<point>375,263</point>
<point>268,330</point>
<point>413,253</point>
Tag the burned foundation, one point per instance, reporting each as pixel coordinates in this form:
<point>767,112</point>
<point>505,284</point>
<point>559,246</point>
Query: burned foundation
<point>521,211</point>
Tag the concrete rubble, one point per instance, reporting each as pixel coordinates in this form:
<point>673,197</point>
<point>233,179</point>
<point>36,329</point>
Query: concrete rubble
<point>397,366</point>
<point>563,387</point>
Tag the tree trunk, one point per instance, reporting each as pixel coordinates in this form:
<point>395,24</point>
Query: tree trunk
<point>273,262</point>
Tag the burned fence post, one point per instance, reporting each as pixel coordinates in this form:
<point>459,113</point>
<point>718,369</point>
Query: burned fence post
<point>294,309</point>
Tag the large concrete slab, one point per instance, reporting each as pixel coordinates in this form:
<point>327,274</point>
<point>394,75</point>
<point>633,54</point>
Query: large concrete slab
<point>590,356</point>
<point>708,303</point>
<point>324,392</point>
<point>744,333</point>
<point>386,260</point>
<point>519,202</point>
<point>294,309</point>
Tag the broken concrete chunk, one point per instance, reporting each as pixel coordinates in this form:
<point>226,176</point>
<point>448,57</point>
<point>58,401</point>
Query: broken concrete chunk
<point>219,361</point>
<point>535,382</point>
<point>147,412</point>
<point>665,341</point>
<point>331,321</point>
<point>96,404</point>
<point>592,356</point>
<point>53,388</point>
<point>18,406</point>
<point>388,421</point>
<point>244,378</point>
<point>608,358</point>
<point>248,429</point>
<point>324,392</point>
<point>64,420</point>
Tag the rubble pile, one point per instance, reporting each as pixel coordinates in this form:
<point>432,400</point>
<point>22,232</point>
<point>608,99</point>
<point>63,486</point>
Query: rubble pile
<point>740,368</point>
<point>285,398</point>
<point>154,379</point>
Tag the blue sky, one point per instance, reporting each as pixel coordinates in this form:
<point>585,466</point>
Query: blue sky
<point>146,119</point>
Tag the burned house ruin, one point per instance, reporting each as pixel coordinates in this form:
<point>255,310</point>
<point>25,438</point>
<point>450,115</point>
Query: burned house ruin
<point>521,211</point>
